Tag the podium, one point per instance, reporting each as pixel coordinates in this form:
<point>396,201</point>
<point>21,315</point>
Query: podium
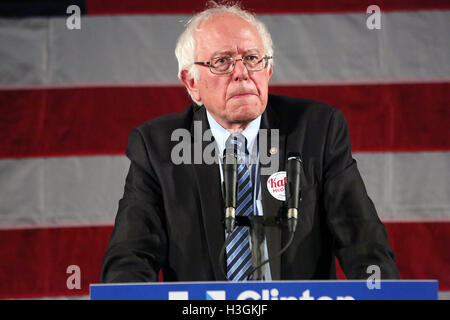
<point>270,290</point>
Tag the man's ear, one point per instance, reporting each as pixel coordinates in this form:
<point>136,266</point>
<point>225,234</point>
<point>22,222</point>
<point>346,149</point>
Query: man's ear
<point>270,71</point>
<point>191,84</point>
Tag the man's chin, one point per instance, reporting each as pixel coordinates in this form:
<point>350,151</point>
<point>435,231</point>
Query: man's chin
<point>245,113</point>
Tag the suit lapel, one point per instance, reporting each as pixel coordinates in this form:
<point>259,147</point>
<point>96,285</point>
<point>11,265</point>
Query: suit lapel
<point>272,206</point>
<point>208,181</point>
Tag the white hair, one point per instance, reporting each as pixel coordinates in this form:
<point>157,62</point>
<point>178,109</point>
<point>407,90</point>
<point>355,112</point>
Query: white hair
<point>185,48</point>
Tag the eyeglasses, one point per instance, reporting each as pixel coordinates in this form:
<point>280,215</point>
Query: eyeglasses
<point>225,64</point>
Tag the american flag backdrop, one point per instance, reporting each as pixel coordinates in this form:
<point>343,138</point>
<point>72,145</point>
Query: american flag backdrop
<point>70,97</point>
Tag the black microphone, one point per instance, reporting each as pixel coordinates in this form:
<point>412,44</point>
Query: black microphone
<point>293,170</point>
<point>230,187</point>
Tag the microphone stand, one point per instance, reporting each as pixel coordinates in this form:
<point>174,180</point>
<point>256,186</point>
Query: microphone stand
<point>257,245</point>
<point>256,226</point>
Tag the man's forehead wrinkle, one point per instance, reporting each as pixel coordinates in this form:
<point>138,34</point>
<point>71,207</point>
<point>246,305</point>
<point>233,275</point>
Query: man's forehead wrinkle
<point>216,42</point>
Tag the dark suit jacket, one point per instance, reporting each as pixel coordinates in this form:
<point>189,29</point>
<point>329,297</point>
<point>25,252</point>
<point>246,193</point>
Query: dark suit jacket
<point>170,215</point>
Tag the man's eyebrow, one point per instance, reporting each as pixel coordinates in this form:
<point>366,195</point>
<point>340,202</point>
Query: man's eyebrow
<point>230,53</point>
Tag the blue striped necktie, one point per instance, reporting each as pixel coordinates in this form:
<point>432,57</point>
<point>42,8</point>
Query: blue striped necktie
<point>239,257</point>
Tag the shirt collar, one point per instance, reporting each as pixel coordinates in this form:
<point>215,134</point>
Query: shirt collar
<point>221,134</point>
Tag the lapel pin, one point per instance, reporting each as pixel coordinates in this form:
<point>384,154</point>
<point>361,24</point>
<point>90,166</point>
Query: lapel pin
<point>273,150</point>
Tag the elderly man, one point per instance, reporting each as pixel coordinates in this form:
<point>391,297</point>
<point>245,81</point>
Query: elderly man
<point>170,218</point>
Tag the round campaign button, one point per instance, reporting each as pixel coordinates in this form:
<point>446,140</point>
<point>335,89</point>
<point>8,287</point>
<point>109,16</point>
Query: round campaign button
<point>275,185</point>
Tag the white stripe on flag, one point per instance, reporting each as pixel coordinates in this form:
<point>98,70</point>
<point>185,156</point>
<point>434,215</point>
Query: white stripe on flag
<point>319,48</point>
<point>66,190</point>
<point>86,190</point>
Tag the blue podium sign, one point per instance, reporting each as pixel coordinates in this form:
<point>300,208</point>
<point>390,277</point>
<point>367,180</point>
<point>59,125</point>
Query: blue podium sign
<point>269,290</point>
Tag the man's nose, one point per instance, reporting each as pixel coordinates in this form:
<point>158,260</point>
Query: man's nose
<point>240,71</point>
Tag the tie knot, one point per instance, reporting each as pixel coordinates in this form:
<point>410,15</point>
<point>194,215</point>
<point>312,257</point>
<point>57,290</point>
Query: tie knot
<point>237,142</point>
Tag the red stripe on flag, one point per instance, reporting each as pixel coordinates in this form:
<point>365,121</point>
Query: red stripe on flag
<point>388,117</point>
<point>422,250</point>
<point>79,121</point>
<point>96,121</point>
<point>281,6</point>
<point>34,261</point>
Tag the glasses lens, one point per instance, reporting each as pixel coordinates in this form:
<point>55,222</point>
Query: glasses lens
<point>221,64</point>
<point>254,62</point>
